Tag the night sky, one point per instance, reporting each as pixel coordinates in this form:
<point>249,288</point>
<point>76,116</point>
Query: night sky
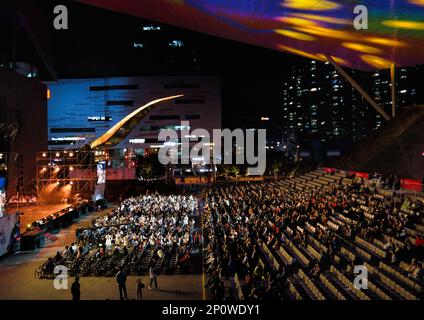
<point>99,43</point>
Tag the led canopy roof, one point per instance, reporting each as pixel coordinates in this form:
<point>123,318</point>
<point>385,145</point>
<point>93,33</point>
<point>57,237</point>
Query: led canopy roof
<point>310,28</point>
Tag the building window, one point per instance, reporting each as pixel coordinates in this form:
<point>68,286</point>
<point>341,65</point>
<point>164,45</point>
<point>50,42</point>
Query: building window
<point>165,117</point>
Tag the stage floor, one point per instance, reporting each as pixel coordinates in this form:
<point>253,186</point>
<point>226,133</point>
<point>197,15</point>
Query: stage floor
<point>37,212</point>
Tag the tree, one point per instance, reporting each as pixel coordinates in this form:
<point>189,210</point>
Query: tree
<point>225,171</point>
<point>276,166</point>
<point>146,169</point>
<point>234,170</point>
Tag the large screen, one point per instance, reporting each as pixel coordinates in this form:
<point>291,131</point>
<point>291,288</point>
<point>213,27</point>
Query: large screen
<point>2,196</point>
<point>101,172</point>
<point>309,28</point>
<point>2,202</point>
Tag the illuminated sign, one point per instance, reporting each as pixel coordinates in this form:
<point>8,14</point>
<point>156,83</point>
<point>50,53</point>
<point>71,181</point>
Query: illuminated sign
<point>100,118</point>
<point>176,43</point>
<point>68,139</point>
<point>151,28</point>
<point>137,140</point>
<point>2,196</point>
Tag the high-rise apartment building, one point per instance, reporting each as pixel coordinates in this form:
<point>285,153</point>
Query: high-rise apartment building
<point>319,104</point>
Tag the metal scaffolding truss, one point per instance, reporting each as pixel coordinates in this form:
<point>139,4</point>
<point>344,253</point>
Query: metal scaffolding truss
<point>74,168</point>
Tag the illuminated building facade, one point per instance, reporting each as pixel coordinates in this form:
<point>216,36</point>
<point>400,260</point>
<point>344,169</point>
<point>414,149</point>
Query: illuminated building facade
<point>318,103</point>
<point>82,110</point>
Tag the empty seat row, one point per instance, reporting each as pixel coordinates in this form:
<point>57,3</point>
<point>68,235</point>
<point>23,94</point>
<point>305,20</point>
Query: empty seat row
<point>299,255</point>
<point>378,292</point>
<point>392,285</point>
<point>294,291</point>
<point>285,256</point>
<point>372,248</point>
<point>275,265</point>
<point>318,244</point>
<point>317,295</point>
<point>332,225</point>
<point>313,252</point>
<point>330,286</point>
<point>342,278</point>
<point>348,254</point>
<point>401,277</point>
<point>237,288</point>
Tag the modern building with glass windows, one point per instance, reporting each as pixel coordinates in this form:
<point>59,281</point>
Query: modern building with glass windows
<point>81,110</point>
<point>318,102</point>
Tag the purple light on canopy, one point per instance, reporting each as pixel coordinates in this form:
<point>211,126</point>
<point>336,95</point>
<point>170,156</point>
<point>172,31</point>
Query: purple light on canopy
<point>310,28</point>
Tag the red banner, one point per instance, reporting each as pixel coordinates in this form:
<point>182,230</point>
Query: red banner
<point>361,174</point>
<point>410,184</point>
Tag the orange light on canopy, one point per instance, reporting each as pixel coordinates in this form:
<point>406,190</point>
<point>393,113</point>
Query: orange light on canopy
<point>395,28</point>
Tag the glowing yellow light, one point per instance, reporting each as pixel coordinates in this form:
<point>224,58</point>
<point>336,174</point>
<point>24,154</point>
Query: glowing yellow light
<point>327,32</point>
<point>44,155</point>
<point>71,154</point>
<point>57,154</point>
<point>386,42</point>
<point>361,47</point>
<point>323,18</point>
<point>105,137</point>
<point>336,59</point>
<point>295,35</point>
<point>376,62</point>
<point>404,24</point>
<point>300,52</point>
<point>297,21</point>
<point>417,2</point>
<point>315,5</point>
<point>49,95</point>
<point>71,168</point>
<point>71,183</point>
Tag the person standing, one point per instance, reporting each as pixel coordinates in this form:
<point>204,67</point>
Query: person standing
<point>121,279</point>
<point>153,278</point>
<point>76,289</point>
<point>140,286</point>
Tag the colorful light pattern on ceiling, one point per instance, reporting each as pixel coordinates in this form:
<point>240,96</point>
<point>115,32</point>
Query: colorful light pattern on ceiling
<point>310,28</point>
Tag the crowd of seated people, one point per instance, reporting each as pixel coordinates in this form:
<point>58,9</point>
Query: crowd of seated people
<point>241,218</point>
<point>388,181</point>
<point>23,200</point>
<point>140,229</point>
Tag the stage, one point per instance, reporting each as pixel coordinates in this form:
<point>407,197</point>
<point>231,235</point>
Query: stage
<point>31,213</point>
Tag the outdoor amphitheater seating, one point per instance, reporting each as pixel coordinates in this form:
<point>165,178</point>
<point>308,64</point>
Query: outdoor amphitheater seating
<point>315,235</point>
<point>147,230</point>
